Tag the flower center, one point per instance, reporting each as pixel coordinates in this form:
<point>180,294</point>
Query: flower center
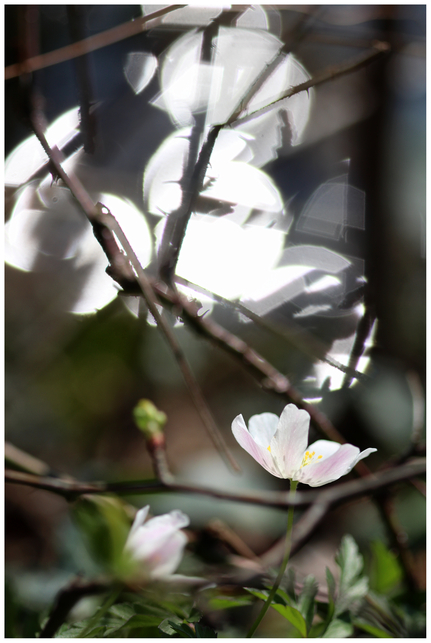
<point>269,448</point>
<point>309,458</point>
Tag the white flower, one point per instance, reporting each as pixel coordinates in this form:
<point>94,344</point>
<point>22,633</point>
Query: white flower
<point>157,546</point>
<point>280,446</point>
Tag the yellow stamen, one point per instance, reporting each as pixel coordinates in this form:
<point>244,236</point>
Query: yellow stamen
<point>269,448</point>
<point>309,457</point>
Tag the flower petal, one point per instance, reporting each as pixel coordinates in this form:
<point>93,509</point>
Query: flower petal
<point>334,466</point>
<point>258,452</point>
<point>139,520</point>
<point>166,558</point>
<point>262,428</point>
<point>290,440</point>
<point>173,520</point>
<point>325,448</point>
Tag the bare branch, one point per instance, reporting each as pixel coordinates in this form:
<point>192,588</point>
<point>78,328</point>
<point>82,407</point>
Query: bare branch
<point>291,332</point>
<point>108,37</point>
<point>333,495</point>
<point>192,179</point>
<point>331,73</point>
<point>363,331</point>
<point>192,384</point>
<point>76,17</point>
<point>269,378</point>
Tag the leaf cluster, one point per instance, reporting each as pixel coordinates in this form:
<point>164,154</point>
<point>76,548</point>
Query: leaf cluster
<point>371,604</point>
<point>141,617</point>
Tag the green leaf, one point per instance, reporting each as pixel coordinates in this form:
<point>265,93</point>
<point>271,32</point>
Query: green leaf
<point>150,609</point>
<point>385,571</point>
<point>377,632</point>
<point>306,603</point>
<point>222,603</point>
<point>381,611</point>
<point>289,585</point>
<point>134,622</point>
<point>204,632</point>
<point>75,630</point>
<point>294,617</point>
<point>338,629</point>
<point>331,593</point>
<point>349,560</point>
<point>105,526</point>
<point>183,629</point>
<point>186,631</point>
<point>282,598</point>
<point>262,595</point>
<point>290,613</point>
<point>317,631</point>
<point>351,598</point>
<point>123,611</point>
<point>352,588</point>
<point>166,627</point>
<point>97,632</point>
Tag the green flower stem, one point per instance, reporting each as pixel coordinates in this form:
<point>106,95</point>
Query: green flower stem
<point>102,610</point>
<point>288,546</point>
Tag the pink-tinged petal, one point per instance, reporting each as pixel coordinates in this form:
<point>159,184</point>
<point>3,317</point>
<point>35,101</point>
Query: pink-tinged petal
<point>156,533</point>
<point>290,440</point>
<point>173,520</point>
<point>259,453</point>
<point>139,519</point>
<point>262,428</point>
<point>156,546</point>
<point>332,467</point>
<point>364,454</point>
<point>166,559</point>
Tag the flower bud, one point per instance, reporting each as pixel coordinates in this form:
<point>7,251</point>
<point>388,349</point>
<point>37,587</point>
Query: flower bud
<point>149,419</point>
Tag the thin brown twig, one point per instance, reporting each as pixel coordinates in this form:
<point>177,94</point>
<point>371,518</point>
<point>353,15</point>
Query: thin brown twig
<point>362,333</point>
<point>299,337</point>
<point>192,384</point>
<point>87,116</point>
<point>223,532</point>
<point>297,33</point>
<point>330,73</point>
<point>197,165</point>
<point>98,41</point>
<point>267,375</point>
<point>193,175</point>
<point>416,47</point>
<point>279,500</point>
